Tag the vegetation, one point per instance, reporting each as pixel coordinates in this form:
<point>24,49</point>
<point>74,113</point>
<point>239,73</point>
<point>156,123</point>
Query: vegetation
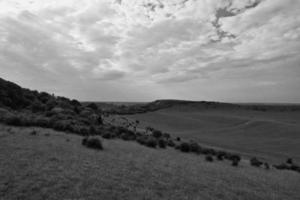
<point>52,168</point>
<point>93,143</point>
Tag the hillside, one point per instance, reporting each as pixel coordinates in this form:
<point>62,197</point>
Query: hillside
<point>54,165</point>
<point>56,148</point>
<point>271,134</point>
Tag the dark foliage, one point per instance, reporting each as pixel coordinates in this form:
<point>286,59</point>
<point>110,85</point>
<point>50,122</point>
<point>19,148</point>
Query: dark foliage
<point>185,147</point>
<point>33,132</point>
<point>93,106</point>
<point>209,158</point>
<point>93,143</point>
<point>171,143</point>
<point>195,147</point>
<point>162,143</point>
<point>178,138</point>
<point>166,135</point>
<point>156,133</point>
<point>84,141</point>
<point>267,166</point>
<point>289,161</point>
<point>151,142</point>
<point>255,162</point>
<point>108,135</point>
<point>235,163</point>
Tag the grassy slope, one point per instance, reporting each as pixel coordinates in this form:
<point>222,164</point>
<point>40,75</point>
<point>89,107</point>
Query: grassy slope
<point>51,167</point>
<point>272,135</point>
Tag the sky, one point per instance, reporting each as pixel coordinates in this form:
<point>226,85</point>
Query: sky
<point>142,50</point>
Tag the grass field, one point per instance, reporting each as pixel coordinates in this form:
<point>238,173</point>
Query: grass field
<point>272,135</point>
<point>54,165</point>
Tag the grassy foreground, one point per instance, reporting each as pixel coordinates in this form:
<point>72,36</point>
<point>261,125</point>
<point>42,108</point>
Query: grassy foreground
<point>54,165</point>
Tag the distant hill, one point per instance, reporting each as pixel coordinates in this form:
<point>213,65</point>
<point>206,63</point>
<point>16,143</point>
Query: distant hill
<point>184,104</point>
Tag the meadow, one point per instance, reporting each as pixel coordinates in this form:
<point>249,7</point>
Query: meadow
<point>271,135</point>
<point>54,165</point>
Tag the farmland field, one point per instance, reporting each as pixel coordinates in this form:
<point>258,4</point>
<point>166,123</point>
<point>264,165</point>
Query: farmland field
<point>273,135</point>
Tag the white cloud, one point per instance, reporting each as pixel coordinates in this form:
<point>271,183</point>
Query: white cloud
<point>143,41</point>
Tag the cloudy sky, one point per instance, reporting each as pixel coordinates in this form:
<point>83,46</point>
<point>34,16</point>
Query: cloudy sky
<point>141,50</point>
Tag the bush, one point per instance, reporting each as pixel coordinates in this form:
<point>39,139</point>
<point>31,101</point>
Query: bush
<point>13,120</point>
<point>128,136</point>
<point>178,138</point>
<point>235,163</point>
<point>108,135</point>
<point>234,157</point>
<point>255,162</point>
<point>289,161</point>
<point>151,142</point>
<point>221,155</point>
<point>156,133</point>
<point>208,151</point>
<point>282,166</point>
<point>171,143</point>
<point>167,136</point>
<point>162,143</point>
<point>93,143</point>
<point>33,132</point>
<point>84,141</point>
<point>209,158</point>
<point>142,139</point>
<point>267,166</point>
<point>92,130</point>
<point>295,168</point>
<point>185,147</point>
<point>194,147</point>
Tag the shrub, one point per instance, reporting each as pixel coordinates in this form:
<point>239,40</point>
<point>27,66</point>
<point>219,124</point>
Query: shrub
<point>289,161</point>
<point>33,132</point>
<point>234,157</point>
<point>47,134</point>
<point>185,147</point>
<point>171,143</point>
<point>151,142</point>
<point>235,163</point>
<point>295,168</point>
<point>267,166</point>
<point>255,162</point>
<point>178,138</point>
<point>156,133</point>
<point>128,136</point>
<point>142,139</point>
<point>166,135</point>
<point>208,151</point>
<point>162,143</point>
<point>13,120</point>
<point>194,147</point>
<point>220,157</point>
<point>93,143</point>
<point>209,158</point>
<point>107,135</point>
<point>282,166</point>
<point>93,106</point>
<point>84,141</point>
<point>92,130</point>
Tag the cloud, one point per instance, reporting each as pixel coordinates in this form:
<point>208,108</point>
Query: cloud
<point>144,42</point>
